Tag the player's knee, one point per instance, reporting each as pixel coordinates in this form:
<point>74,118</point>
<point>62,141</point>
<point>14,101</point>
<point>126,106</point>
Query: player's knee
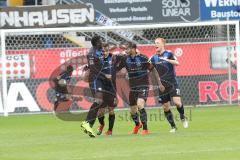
<point>111,112</point>
<point>133,109</point>
<point>177,103</point>
<point>101,112</point>
<point>166,107</point>
<point>140,103</point>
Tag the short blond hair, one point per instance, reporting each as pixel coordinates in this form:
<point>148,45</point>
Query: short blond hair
<point>161,39</point>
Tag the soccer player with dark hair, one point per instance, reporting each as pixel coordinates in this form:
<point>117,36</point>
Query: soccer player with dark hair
<point>138,67</point>
<point>100,84</point>
<point>96,78</point>
<point>110,68</point>
<point>164,62</point>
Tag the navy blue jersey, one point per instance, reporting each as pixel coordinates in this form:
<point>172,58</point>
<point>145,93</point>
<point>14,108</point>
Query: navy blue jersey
<point>137,68</point>
<point>165,69</point>
<point>111,65</point>
<point>108,65</point>
<point>95,63</point>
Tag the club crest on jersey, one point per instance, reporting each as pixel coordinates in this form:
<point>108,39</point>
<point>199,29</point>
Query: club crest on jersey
<point>138,63</point>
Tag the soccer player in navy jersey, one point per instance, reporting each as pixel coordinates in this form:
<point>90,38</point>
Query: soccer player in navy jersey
<point>110,69</point>
<point>96,80</point>
<point>101,80</point>
<point>165,62</point>
<point>138,67</point>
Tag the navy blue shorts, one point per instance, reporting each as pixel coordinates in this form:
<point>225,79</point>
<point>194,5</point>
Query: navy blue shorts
<point>135,93</point>
<point>171,90</point>
<point>107,88</point>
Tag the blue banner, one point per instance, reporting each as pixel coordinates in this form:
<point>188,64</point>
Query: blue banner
<point>219,9</point>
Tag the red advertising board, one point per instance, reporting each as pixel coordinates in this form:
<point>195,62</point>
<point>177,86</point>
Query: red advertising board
<point>194,59</point>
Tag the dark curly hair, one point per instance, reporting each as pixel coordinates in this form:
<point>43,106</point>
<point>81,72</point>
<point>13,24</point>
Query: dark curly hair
<point>131,45</point>
<point>94,40</point>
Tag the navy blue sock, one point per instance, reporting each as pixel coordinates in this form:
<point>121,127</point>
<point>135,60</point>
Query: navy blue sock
<point>143,117</point>
<point>111,119</point>
<point>181,112</point>
<point>135,118</point>
<point>101,120</point>
<point>169,117</point>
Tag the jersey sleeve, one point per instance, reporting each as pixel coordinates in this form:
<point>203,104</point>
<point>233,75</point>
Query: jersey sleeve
<point>151,60</point>
<point>151,63</point>
<point>171,56</point>
<point>146,62</point>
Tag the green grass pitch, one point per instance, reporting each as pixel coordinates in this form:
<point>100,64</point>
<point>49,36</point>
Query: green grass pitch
<point>214,134</point>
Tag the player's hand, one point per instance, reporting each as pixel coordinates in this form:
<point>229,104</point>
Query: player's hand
<point>108,76</point>
<point>62,82</point>
<point>68,97</point>
<point>85,75</point>
<point>164,58</point>
<point>162,88</point>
